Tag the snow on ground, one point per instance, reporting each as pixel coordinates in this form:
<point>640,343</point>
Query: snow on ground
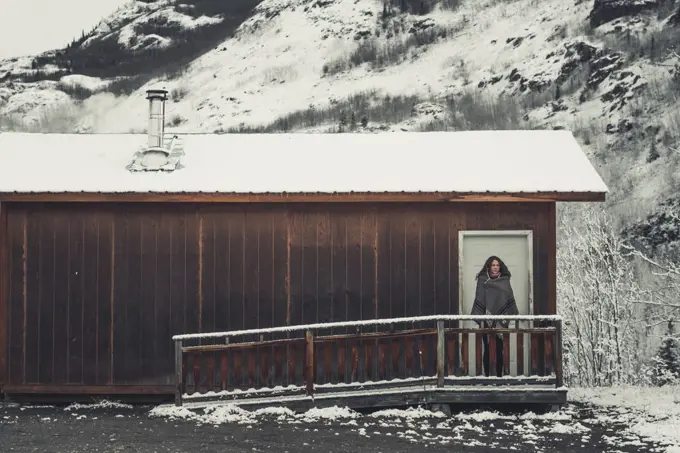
<point>652,413</point>
<point>635,416</point>
<point>104,404</point>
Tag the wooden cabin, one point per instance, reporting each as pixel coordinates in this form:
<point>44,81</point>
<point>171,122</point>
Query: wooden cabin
<point>113,244</point>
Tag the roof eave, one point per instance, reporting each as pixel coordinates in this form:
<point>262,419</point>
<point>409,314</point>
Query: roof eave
<point>353,197</point>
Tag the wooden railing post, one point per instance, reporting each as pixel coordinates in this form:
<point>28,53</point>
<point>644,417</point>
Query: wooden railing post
<point>309,362</point>
<point>440,354</point>
<point>559,377</point>
<point>178,373</point>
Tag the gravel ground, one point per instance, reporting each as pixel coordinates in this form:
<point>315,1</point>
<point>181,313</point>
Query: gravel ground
<point>82,428</point>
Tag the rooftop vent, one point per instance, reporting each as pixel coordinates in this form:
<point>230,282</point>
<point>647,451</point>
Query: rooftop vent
<point>156,131</point>
<point>161,153</point>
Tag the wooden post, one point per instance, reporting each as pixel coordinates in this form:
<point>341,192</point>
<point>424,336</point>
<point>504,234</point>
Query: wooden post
<point>440,354</point>
<point>309,363</point>
<point>178,373</point>
<point>559,377</point>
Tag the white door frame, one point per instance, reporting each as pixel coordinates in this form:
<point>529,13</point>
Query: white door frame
<point>529,235</point>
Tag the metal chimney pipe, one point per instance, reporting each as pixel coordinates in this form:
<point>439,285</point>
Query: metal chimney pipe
<point>156,131</point>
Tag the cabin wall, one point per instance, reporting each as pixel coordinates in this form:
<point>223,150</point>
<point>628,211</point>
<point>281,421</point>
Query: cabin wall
<point>94,292</point>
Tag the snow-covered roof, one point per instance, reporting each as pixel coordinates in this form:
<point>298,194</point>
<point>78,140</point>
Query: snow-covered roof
<point>539,161</point>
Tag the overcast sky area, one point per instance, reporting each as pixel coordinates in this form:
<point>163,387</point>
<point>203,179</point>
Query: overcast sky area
<point>29,27</point>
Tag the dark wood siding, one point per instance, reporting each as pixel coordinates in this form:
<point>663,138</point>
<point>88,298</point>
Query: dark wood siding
<point>95,291</point>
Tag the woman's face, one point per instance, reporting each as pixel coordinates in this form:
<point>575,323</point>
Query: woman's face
<point>495,267</point>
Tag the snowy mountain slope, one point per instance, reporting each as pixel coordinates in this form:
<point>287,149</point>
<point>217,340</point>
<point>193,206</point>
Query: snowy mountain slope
<point>604,72</point>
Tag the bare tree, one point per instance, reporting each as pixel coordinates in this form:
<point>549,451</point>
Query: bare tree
<point>598,295</point>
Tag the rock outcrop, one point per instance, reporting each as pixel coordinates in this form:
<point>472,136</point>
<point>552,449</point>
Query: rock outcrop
<point>607,10</point>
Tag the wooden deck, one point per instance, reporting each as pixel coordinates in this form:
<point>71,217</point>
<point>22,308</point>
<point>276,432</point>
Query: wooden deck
<point>373,363</point>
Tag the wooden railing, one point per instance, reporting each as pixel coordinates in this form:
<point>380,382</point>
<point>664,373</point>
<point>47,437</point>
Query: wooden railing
<point>320,358</point>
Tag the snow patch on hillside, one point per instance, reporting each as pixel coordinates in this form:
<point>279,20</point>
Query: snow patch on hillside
<point>129,36</point>
<point>126,14</point>
<point>275,63</point>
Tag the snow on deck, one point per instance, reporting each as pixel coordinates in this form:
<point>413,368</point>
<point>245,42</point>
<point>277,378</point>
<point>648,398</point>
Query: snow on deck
<point>445,162</point>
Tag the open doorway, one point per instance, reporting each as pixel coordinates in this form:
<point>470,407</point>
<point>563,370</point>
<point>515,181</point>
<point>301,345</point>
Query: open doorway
<point>515,248</point>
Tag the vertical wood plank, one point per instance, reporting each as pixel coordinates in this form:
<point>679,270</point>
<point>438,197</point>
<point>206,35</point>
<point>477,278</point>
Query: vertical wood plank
<point>24,292</point>
<point>32,327</point>
<point>309,363</point>
<point>442,266</point>
<point>520,354</point>
<point>339,272</point>
<point>478,355</point>
<point>551,266</point>
<point>384,291</point>
<point>534,364</point>
<point>207,250</point>
<point>427,271</point>
<point>265,276</point>
<point>559,376</point>
<point>16,220</point>
<point>413,297</point>
<point>548,359</point>
<point>324,260</point>
<point>506,354</point>
<point>251,279</point>
<point>192,271</point>
<point>440,354</point>
<point>296,272</point>
<point>4,294</point>
<point>224,370</point>
<point>493,347</point>
<point>309,266</point>
<point>179,375</point>
<point>103,296</point>
<point>451,355</point>
<point>90,305</point>
<point>279,269</point>
<point>355,287</point>
<point>465,354</point>
<point>218,272</point>
<point>199,262</point>
<point>135,335</point>
<point>177,272</point>
<point>120,297</point>
<point>368,361</point>
<point>163,311</point>
<point>47,300</point>
<point>367,252</point>
<point>112,298</point>
<point>397,264</point>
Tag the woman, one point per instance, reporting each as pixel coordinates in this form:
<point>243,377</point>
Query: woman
<point>494,296</point>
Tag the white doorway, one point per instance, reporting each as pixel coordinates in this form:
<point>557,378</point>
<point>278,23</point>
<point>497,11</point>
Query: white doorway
<point>515,248</point>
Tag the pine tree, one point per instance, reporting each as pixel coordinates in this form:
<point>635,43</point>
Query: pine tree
<point>667,359</point>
